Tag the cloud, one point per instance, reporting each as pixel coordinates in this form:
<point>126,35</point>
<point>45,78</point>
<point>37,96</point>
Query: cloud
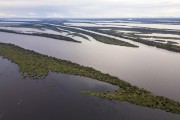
<point>89,8</point>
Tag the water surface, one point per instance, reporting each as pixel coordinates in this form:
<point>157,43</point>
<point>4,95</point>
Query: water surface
<point>27,99</point>
<point>148,67</point>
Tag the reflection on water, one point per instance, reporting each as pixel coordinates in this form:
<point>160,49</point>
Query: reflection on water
<point>26,99</point>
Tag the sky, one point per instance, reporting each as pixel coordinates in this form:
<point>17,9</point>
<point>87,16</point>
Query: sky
<point>89,8</point>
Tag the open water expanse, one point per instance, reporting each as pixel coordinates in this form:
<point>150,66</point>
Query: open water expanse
<point>147,67</point>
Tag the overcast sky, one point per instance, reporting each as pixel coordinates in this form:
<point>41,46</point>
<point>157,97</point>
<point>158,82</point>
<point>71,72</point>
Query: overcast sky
<point>89,8</point>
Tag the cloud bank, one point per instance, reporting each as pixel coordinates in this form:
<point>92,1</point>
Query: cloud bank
<point>89,8</point>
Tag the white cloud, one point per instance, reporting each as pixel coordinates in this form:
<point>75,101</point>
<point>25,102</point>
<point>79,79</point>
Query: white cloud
<point>55,15</point>
<point>2,15</point>
<point>89,8</point>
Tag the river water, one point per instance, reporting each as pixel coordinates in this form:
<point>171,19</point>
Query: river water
<point>148,67</point>
<point>27,99</point>
<point>151,68</point>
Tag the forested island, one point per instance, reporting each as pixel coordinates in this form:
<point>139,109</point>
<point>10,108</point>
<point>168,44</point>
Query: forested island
<point>37,66</point>
<point>48,35</point>
<point>132,36</point>
<point>100,38</point>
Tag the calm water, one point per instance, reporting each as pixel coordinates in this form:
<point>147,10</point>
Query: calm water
<point>148,67</point>
<point>121,24</point>
<point>32,99</point>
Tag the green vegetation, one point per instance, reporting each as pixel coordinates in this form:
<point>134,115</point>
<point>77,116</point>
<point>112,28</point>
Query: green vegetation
<point>156,37</point>
<point>79,35</point>
<point>101,38</point>
<point>62,30</point>
<point>141,30</point>
<point>160,40</point>
<point>133,37</point>
<point>50,85</point>
<point>172,42</point>
<point>58,37</point>
<point>137,96</point>
<point>35,65</point>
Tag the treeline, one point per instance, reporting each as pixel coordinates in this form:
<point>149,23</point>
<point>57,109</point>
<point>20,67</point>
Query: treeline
<point>58,37</point>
